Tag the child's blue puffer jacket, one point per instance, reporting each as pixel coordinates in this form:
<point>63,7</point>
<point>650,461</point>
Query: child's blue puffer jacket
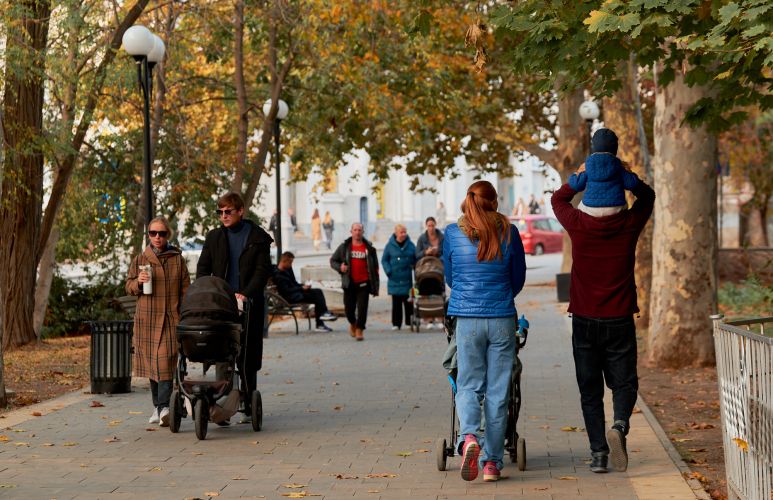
<point>604,181</point>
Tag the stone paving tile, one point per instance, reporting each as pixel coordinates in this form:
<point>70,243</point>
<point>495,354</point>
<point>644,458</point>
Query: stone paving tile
<point>335,412</point>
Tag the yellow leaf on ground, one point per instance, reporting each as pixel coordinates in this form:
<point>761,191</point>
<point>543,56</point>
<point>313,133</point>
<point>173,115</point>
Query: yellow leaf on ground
<point>4,438</point>
<point>300,494</point>
<point>405,454</point>
<point>212,494</point>
<point>374,476</point>
<point>568,478</point>
<point>20,443</point>
<point>69,443</point>
<point>48,444</point>
<point>294,485</point>
<point>135,413</point>
<point>571,428</point>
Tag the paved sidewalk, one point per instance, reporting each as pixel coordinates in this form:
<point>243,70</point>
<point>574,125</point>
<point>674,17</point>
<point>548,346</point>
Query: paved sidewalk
<point>342,419</point>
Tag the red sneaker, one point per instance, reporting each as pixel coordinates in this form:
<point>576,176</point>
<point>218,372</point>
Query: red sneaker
<point>470,453</point>
<point>490,472</point>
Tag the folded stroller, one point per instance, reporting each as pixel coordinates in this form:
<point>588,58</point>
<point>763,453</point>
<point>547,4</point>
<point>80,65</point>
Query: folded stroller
<point>211,331</point>
<point>514,444</point>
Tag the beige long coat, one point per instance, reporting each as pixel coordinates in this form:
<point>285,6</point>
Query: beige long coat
<point>157,315</point>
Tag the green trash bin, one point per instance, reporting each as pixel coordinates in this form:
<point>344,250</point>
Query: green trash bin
<point>111,356</point>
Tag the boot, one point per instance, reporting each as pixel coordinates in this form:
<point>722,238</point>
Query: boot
<point>358,334</point>
<point>352,330</point>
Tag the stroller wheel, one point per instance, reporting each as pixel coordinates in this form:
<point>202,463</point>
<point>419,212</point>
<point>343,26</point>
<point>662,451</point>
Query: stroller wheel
<point>175,411</point>
<point>257,411</point>
<point>521,454</point>
<point>201,419</point>
<point>440,454</point>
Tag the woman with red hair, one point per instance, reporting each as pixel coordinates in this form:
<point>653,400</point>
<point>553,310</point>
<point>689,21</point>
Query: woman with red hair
<point>485,267</point>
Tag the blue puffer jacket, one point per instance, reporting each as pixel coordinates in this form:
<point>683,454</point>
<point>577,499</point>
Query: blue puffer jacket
<point>604,181</point>
<point>482,289</point>
<point>398,265</point>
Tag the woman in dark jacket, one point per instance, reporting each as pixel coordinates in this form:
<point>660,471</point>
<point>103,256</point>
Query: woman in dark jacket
<point>431,241</point>
<point>398,260</point>
<point>485,267</point>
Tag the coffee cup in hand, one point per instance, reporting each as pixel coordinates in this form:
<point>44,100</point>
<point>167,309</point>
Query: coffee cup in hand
<point>147,287</point>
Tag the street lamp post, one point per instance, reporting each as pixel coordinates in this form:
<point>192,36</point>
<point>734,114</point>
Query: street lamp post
<point>147,49</point>
<point>281,114</point>
<point>589,111</point>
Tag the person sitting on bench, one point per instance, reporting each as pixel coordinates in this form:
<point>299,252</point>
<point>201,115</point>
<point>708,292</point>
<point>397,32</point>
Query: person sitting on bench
<point>295,293</point>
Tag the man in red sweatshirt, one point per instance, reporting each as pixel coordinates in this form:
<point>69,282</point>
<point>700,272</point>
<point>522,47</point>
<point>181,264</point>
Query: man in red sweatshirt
<point>602,302</point>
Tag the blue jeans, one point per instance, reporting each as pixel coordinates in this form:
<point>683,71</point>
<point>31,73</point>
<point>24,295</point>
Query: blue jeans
<point>605,351</point>
<point>485,354</point>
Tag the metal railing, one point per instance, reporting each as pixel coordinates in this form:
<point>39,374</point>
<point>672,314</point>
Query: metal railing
<point>745,378</point>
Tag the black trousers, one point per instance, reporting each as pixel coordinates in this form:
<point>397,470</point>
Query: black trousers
<point>161,392</point>
<point>400,302</point>
<point>356,298</point>
<point>605,350</point>
<point>316,297</point>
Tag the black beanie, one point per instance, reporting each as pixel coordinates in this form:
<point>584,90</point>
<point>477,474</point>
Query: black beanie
<point>604,141</point>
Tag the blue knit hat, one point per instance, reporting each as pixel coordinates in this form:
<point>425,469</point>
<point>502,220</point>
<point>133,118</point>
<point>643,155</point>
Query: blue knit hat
<point>604,141</point>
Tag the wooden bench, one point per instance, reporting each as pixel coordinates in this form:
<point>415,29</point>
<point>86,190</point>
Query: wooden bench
<point>278,306</point>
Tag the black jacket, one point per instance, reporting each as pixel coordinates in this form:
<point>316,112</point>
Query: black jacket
<point>254,262</point>
<point>343,255</point>
<point>287,286</point>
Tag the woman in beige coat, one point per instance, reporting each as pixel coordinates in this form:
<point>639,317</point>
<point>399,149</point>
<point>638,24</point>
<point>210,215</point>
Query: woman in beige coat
<point>316,229</point>
<point>157,315</point>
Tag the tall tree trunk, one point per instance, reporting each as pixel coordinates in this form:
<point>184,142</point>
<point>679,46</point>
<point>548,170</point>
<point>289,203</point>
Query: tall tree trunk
<point>621,115</point>
<point>572,148</point>
<point>46,270</point>
<point>684,247</point>
<point>755,227</point>
<point>241,98</point>
<point>22,187</point>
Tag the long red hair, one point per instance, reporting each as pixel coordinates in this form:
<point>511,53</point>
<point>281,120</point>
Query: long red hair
<point>484,222</point>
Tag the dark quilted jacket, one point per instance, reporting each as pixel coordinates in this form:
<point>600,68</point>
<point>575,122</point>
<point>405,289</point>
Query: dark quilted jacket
<point>604,181</point>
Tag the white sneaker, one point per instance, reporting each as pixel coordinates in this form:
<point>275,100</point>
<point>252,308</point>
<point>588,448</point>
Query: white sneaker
<point>154,418</point>
<point>328,316</point>
<point>164,417</point>
<point>395,328</point>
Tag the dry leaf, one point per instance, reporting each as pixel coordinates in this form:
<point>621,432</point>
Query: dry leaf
<point>113,439</point>
<point>21,443</point>
<point>338,407</point>
<point>96,404</point>
<point>696,450</point>
<point>569,428</point>
<point>405,454</point>
<point>69,443</point>
<point>309,410</point>
<point>701,426</point>
<point>374,476</point>
<point>344,476</point>
<point>288,381</point>
<point>48,444</point>
<point>422,451</point>
<point>135,413</point>
<point>279,394</point>
<point>741,444</point>
<point>294,485</point>
<point>541,489</point>
<point>37,414</point>
<point>151,429</point>
<point>374,491</point>
<point>300,494</point>
<point>681,440</point>
<point>7,486</point>
<point>4,438</point>
<point>238,479</point>
<point>113,423</point>
<point>155,469</point>
<point>212,494</point>
<point>568,478</point>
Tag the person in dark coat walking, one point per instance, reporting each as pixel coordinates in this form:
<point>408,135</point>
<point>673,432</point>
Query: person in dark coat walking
<point>430,241</point>
<point>602,302</point>
<point>356,260</point>
<point>295,293</point>
<point>239,252</point>
<point>398,261</point>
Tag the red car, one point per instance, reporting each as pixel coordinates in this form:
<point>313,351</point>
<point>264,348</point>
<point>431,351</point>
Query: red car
<point>539,233</point>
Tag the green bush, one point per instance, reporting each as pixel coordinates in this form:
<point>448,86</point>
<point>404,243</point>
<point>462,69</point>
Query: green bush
<point>750,297</point>
<point>71,304</point>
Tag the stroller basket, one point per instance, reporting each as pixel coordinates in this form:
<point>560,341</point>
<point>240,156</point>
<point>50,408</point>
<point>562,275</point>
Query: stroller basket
<point>209,343</point>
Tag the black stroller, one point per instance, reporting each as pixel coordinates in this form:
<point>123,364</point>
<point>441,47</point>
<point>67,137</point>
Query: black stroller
<point>429,295</point>
<point>515,445</point>
<point>212,332</point>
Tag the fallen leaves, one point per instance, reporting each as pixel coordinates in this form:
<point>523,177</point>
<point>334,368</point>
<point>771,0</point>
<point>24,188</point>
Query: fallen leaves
<point>344,476</point>
<point>4,438</point>
<point>380,475</point>
<point>300,494</point>
<point>70,443</point>
<point>96,404</point>
<point>212,494</point>
<point>36,414</point>
<point>568,478</point>
<point>405,454</point>
<point>151,429</point>
<point>741,444</point>
<point>701,426</point>
<point>681,440</point>
<point>571,428</point>
<point>135,413</point>
<point>296,486</point>
<point>113,439</point>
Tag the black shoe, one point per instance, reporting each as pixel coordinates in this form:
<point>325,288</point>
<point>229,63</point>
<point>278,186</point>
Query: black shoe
<point>617,449</point>
<point>598,463</point>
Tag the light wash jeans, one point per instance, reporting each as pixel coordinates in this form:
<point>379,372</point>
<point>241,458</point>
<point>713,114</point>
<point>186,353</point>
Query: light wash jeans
<point>485,353</point>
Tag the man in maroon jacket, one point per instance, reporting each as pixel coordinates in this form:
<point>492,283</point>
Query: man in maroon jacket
<point>602,301</point>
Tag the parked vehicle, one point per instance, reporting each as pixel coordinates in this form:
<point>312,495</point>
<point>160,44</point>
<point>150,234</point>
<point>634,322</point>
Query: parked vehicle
<point>539,233</point>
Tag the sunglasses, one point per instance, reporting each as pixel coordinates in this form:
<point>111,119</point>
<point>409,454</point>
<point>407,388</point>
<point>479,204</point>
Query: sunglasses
<point>225,211</point>
<point>163,234</point>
